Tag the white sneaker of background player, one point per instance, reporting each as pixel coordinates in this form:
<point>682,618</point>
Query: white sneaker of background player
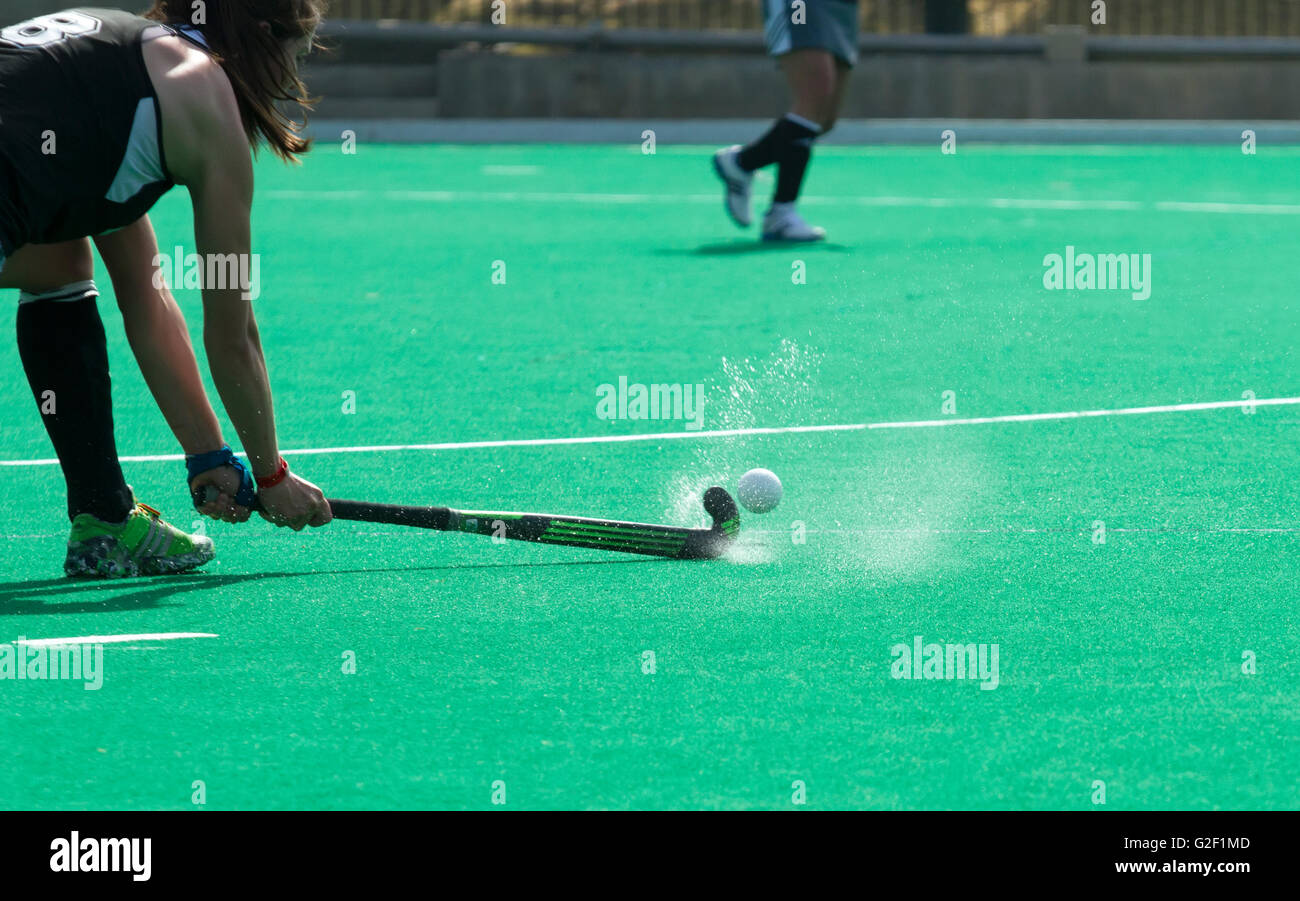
<point>738,183</point>
<point>783,223</point>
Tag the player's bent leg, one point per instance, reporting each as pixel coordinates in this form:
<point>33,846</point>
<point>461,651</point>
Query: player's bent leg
<point>64,351</point>
<point>811,74</point>
<point>65,356</point>
<point>817,50</point>
<point>62,343</point>
<point>816,44</point>
<point>787,143</point>
<point>783,222</point>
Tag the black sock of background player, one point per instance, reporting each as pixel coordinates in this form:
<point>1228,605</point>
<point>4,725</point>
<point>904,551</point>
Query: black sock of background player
<point>790,170</point>
<point>63,350</point>
<point>789,135</point>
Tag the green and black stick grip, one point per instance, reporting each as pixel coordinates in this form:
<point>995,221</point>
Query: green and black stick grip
<point>572,531</point>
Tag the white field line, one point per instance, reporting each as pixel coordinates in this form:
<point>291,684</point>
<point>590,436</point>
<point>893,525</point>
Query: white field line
<point>590,197</point>
<point>110,639</point>
<point>1023,531</point>
<point>731,433</point>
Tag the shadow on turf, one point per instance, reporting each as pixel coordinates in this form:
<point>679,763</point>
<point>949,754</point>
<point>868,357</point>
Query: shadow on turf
<point>736,248</point>
<point>44,596</point>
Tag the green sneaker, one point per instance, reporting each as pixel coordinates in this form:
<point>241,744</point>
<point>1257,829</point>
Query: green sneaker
<point>143,545</point>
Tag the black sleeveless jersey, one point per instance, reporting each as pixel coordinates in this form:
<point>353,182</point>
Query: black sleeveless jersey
<point>80,130</point>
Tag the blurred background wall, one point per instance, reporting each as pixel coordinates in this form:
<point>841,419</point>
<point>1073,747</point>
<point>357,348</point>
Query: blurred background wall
<point>1084,59</point>
<point>982,17</point>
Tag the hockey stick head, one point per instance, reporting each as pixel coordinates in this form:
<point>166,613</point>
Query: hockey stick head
<point>725,515</point>
<point>722,508</point>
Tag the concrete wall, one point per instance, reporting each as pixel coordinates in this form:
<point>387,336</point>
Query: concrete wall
<point>489,85</point>
<point>381,77</point>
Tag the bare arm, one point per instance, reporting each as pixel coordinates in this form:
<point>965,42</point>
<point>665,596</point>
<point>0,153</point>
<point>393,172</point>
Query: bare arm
<point>158,335</point>
<point>222,194</point>
<point>208,153</point>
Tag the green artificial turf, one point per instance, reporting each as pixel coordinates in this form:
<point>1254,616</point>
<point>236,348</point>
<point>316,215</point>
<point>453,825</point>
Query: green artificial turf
<point>477,662</point>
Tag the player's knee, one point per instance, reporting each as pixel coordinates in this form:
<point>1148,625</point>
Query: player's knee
<point>42,268</point>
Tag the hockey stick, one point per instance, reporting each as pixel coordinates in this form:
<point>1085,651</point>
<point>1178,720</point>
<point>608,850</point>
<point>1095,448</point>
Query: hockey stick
<point>572,531</point>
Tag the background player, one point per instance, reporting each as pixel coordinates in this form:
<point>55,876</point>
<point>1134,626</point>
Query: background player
<point>816,43</point>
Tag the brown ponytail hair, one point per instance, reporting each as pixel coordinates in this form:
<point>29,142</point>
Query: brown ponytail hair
<point>254,59</point>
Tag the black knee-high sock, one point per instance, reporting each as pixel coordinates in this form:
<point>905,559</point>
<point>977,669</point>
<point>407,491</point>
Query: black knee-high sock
<point>790,173</point>
<point>789,138</point>
<point>64,352</point>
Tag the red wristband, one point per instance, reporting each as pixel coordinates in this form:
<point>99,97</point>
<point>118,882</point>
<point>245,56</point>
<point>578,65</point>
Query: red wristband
<point>272,480</point>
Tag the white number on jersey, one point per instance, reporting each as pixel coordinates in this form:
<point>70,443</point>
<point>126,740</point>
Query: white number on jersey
<point>45,30</point>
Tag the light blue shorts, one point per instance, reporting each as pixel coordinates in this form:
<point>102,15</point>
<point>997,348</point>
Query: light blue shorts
<point>830,25</point>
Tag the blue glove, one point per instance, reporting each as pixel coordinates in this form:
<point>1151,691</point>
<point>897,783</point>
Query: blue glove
<point>195,464</point>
